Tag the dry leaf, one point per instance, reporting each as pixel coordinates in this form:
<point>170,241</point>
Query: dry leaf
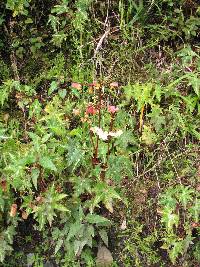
<point>24,215</point>
<point>6,117</point>
<point>159,211</point>
<point>39,199</point>
<point>13,210</point>
<point>3,185</point>
<point>76,111</point>
<point>109,206</point>
<point>97,86</point>
<point>123,225</point>
<point>90,90</point>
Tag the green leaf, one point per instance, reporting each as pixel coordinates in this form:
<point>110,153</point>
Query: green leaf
<point>156,117</point>
<point>170,219</point>
<point>62,93</point>
<point>184,195</point>
<point>74,229</point>
<point>53,87</point>
<point>34,176</point>
<point>104,236</point>
<point>194,81</point>
<point>97,219</point>
<point>58,245</point>
<point>60,207</point>
<point>47,163</point>
<point>148,136</point>
<point>195,210</point>
<point>78,246</point>
<point>175,251</point>
<point>60,196</point>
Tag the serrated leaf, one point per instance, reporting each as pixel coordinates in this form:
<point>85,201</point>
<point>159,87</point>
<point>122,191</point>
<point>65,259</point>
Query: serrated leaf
<point>175,251</point>
<point>53,87</point>
<point>45,138</point>
<point>104,236</point>
<point>62,93</point>
<point>60,207</point>
<point>60,197</point>
<point>96,219</point>
<point>74,229</point>
<point>47,163</point>
<point>78,246</point>
<point>34,176</point>
<point>58,245</point>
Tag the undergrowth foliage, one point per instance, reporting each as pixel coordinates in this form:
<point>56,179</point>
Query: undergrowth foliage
<point>99,133</point>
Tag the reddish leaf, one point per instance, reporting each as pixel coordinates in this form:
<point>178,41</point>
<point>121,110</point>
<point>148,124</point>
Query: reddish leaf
<point>3,185</point>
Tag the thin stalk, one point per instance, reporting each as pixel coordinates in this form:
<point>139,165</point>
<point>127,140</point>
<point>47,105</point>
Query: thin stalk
<point>110,129</point>
<point>99,124</point>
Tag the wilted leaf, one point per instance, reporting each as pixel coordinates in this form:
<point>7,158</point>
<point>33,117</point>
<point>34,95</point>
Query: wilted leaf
<point>3,185</point>
<point>24,215</point>
<point>13,210</point>
<point>123,225</point>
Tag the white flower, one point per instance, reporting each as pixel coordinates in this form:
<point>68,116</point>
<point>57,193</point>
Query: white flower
<point>104,135</point>
<point>116,134</point>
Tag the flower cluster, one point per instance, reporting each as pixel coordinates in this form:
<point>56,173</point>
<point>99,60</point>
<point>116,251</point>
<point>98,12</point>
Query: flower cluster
<point>91,110</point>
<point>104,134</point>
<point>112,109</point>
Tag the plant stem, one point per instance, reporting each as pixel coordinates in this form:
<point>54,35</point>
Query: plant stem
<point>99,123</point>
<point>110,129</point>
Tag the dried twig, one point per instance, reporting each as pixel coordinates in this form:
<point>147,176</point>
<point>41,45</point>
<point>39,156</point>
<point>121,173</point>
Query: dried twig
<point>99,45</point>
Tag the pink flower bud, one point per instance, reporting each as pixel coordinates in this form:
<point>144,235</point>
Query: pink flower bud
<point>112,109</point>
<point>91,110</point>
<point>77,86</point>
<point>114,85</point>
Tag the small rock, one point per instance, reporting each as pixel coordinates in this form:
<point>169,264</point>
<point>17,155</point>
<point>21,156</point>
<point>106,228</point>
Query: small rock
<point>48,264</point>
<point>104,257</point>
<point>123,225</point>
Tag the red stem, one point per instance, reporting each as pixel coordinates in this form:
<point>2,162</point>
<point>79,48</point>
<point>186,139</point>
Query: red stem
<point>99,125</point>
